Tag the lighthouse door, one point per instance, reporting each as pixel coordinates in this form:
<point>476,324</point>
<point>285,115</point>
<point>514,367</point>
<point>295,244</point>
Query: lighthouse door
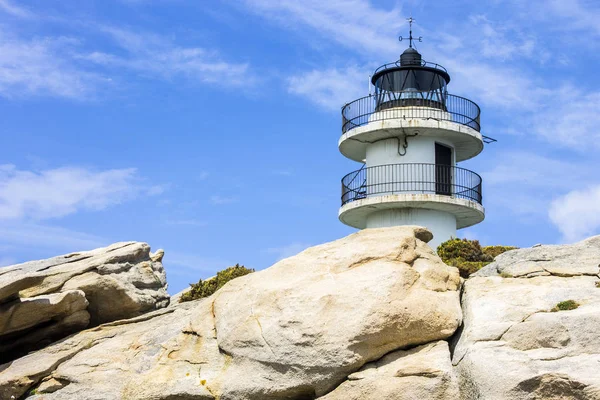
<point>443,169</point>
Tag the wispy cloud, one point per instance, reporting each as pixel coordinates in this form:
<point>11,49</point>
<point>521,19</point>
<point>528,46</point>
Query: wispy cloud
<point>155,55</point>
<point>9,7</point>
<point>42,67</point>
<point>75,68</point>
<point>573,15</point>
<point>282,172</point>
<point>569,119</point>
<point>498,40</point>
<point>330,88</point>
<point>220,200</point>
<point>350,23</point>
<point>62,191</point>
<point>525,184</point>
<point>577,214</point>
<point>28,236</point>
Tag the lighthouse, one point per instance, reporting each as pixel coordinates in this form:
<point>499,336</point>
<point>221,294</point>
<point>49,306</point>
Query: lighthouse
<point>410,135</point>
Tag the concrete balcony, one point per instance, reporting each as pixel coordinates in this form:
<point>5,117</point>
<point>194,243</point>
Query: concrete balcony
<point>367,120</point>
<point>439,191</point>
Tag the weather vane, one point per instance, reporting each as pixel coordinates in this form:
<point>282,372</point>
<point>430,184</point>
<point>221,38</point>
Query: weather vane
<point>410,38</point>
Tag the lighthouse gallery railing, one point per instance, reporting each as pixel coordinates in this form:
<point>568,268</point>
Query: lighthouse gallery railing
<point>371,108</point>
<point>415,178</point>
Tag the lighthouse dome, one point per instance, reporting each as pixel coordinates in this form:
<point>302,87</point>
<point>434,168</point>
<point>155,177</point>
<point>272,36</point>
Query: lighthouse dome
<point>410,57</point>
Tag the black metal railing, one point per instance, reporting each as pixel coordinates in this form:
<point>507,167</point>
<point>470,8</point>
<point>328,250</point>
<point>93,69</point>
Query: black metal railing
<point>374,108</point>
<point>415,178</point>
<point>422,63</point>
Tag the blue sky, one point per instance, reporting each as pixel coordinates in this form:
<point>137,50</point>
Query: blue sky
<point>210,128</point>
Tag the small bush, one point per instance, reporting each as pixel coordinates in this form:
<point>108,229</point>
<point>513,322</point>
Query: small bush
<point>495,251</point>
<point>464,254</point>
<point>598,284</point>
<point>462,249</point>
<point>565,306</point>
<point>468,255</point>
<point>505,275</point>
<point>205,288</point>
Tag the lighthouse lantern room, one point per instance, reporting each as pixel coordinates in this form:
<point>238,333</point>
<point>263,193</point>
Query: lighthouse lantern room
<point>410,134</point>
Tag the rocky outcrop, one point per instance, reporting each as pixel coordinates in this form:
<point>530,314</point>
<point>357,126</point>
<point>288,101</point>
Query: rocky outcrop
<point>296,330</point>
<point>424,372</point>
<point>512,346</point>
<point>364,317</point>
<point>579,259</point>
<point>42,301</point>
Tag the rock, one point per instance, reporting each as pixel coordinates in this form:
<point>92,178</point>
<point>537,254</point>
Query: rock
<point>424,372</point>
<point>111,298</point>
<point>295,330</point>
<point>41,301</point>
<point>581,258</point>
<point>513,347</point>
<point>25,313</point>
<point>31,323</point>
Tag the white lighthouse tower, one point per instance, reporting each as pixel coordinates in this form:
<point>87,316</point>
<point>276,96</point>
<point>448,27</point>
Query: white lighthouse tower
<point>410,135</point>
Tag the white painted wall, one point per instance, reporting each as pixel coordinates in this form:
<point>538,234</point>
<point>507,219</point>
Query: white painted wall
<point>398,178</point>
<point>421,149</point>
<point>440,223</point>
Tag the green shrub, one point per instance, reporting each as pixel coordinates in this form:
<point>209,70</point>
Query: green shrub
<point>205,288</point>
<point>565,306</point>
<point>464,254</point>
<point>462,249</point>
<point>598,284</point>
<point>468,255</point>
<point>494,251</point>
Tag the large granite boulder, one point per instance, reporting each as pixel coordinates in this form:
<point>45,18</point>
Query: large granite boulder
<point>513,346</point>
<point>296,330</point>
<point>41,301</point>
<point>423,372</point>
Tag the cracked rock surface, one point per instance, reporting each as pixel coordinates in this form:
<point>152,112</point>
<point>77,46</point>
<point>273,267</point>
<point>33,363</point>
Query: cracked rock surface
<point>365,317</point>
<point>42,301</point>
<point>512,346</point>
<point>423,372</point>
<point>296,330</point>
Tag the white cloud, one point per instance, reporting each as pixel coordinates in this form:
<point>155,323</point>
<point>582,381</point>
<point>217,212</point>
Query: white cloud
<point>331,88</point>
<point>525,183</point>
<point>154,55</point>
<point>282,172</point>
<point>203,175</point>
<point>219,200</point>
<point>574,14</point>
<point>352,23</point>
<point>27,236</point>
<point>497,40</point>
<point>570,119</point>
<point>577,214</point>
<point>289,250</point>
<point>62,191</point>
<point>42,67</point>
<point>535,171</point>
<point>10,8</point>
<point>66,67</point>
